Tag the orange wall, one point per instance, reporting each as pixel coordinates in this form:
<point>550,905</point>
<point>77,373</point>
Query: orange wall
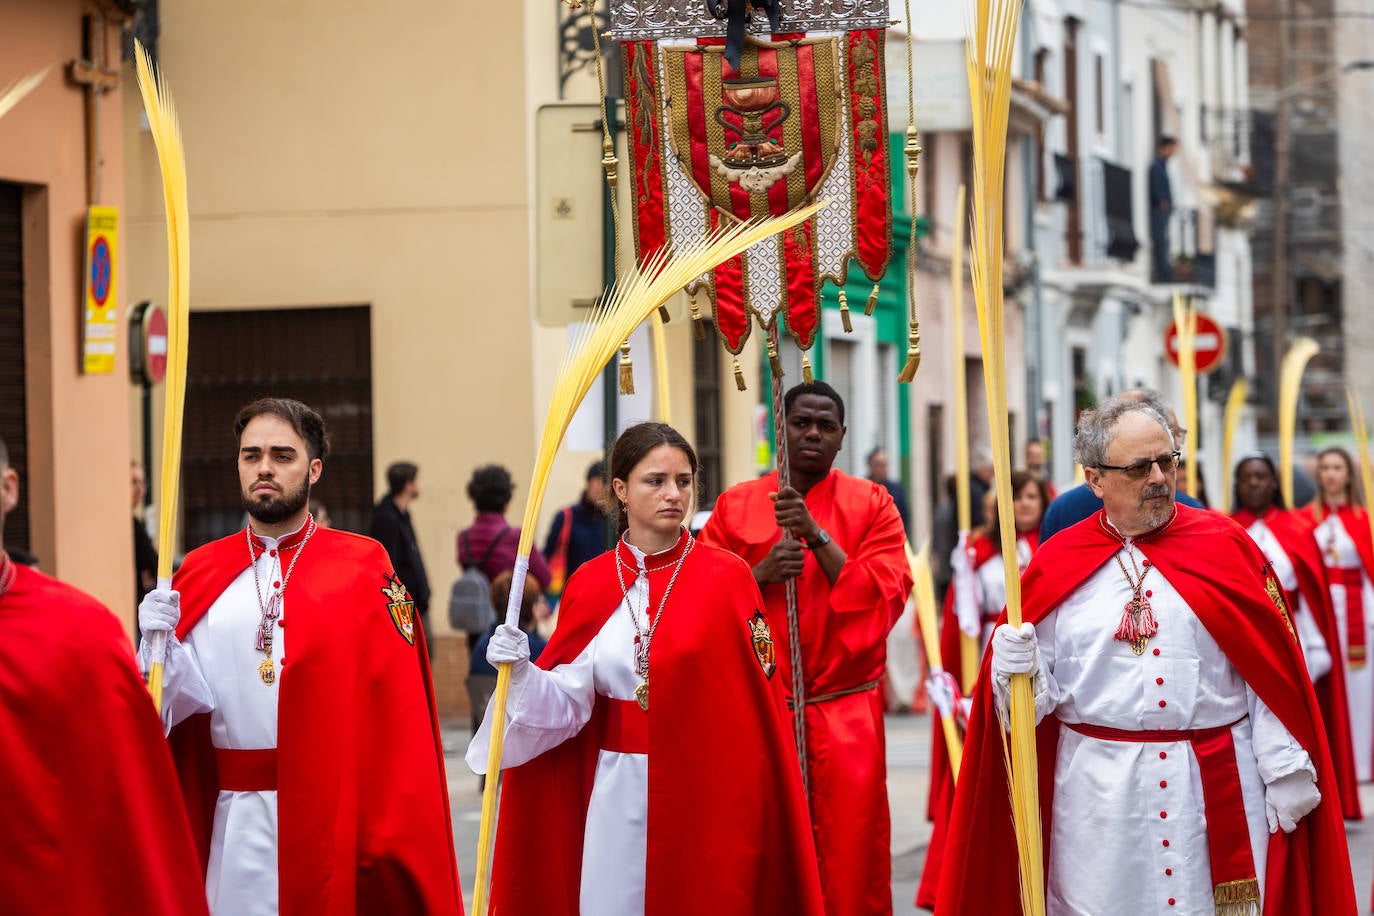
<point>78,478</point>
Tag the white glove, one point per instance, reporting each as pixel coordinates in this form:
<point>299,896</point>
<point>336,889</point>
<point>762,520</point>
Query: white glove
<point>159,611</point>
<point>940,687</point>
<point>1288,798</point>
<point>509,645</point>
<point>1014,651</point>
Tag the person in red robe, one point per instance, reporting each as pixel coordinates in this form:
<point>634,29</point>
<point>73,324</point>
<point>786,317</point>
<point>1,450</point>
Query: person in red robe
<point>1031,496</point>
<point>1261,510</point>
<point>852,579</point>
<point>301,708</point>
<point>1174,812</point>
<point>90,825</point>
<point>648,764</point>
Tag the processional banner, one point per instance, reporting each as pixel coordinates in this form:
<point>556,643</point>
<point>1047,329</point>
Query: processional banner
<point>779,114</point>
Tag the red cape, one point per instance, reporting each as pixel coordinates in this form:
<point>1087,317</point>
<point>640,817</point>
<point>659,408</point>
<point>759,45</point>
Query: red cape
<point>728,829</point>
<point>1309,869</point>
<point>362,799</point>
<point>90,825</point>
<point>940,799</point>
<point>1295,537</point>
<point>844,631</point>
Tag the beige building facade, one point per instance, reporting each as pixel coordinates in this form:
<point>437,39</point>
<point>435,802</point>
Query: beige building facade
<point>64,427</point>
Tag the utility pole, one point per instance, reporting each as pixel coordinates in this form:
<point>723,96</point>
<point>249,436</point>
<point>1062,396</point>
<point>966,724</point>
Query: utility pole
<point>1279,281</point>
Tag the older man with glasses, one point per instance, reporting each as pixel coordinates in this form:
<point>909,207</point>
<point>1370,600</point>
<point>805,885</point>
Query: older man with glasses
<point>1181,746</point>
<point>1082,502</point>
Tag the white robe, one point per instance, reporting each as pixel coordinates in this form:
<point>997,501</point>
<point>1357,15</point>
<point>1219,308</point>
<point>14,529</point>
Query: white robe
<point>1116,803</point>
<point>1359,682</point>
<point>547,708</point>
<point>1315,651</point>
<point>216,671</point>
<point>992,588</point>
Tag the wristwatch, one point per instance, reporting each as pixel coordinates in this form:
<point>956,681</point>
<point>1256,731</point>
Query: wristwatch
<point>819,541</point>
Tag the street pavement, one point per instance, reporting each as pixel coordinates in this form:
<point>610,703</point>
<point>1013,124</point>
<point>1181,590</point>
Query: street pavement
<point>908,775</point>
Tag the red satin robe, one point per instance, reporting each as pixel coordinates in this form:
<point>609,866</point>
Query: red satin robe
<point>728,833</point>
<point>844,631</point>
<point>1294,535</point>
<point>92,823</point>
<point>1217,569</point>
<point>362,798</point>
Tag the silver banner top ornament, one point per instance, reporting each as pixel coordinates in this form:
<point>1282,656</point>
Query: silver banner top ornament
<point>637,20</point>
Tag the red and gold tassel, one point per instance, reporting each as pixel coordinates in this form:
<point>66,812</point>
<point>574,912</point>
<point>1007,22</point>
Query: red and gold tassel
<point>844,313</point>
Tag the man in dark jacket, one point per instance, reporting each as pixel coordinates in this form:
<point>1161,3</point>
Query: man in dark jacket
<point>391,527</point>
<point>585,537</point>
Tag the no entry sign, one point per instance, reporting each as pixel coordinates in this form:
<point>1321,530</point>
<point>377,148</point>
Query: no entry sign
<point>1209,344</point>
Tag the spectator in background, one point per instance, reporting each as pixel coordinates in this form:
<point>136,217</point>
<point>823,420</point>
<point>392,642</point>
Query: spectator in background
<point>322,519</point>
<point>392,529</point>
<point>533,608</point>
<point>578,532</point>
<point>1161,209</point>
<point>878,473</point>
<point>944,536</point>
<point>1035,463</point>
<point>489,540</point>
<point>979,482</point>
<point>145,554</point>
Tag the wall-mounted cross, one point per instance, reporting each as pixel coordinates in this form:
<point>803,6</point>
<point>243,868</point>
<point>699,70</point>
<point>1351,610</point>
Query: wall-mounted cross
<point>90,73</point>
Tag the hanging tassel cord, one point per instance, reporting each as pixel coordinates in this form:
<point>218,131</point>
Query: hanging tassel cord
<point>912,152</point>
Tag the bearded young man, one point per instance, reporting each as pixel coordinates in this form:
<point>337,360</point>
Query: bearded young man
<point>89,823</point>
<point>1183,763</point>
<point>314,777</point>
<point>848,558</point>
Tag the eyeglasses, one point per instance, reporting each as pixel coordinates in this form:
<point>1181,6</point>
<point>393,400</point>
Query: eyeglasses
<point>1141,469</point>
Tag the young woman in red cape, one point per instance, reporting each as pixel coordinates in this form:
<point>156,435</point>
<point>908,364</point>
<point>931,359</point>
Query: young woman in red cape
<point>648,758</point>
<point>1030,497</point>
<point>1287,542</point>
<point>1342,532</point>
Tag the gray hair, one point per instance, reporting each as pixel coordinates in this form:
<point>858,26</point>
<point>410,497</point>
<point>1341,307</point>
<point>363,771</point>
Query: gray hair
<point>1152,398</point>
<point>1096,427</point>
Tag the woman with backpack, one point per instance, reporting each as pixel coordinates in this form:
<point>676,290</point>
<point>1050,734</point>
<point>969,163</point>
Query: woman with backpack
<point>649,754</point>
<point>487,548</point>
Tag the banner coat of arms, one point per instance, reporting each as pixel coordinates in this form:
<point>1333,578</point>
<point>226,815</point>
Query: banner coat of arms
<point>803,117</point>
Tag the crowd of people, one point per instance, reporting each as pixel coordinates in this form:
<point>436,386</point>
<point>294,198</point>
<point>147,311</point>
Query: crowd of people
<point>1201,746</point>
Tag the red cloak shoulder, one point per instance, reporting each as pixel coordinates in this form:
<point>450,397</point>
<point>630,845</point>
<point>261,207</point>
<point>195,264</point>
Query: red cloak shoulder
<point>90,825</point>
<point>1218,570</point>
<point>728,827</point>
<point>364,821</point>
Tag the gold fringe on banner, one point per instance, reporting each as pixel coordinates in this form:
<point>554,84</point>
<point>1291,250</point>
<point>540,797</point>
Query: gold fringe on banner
<point>844,313</point>
<point>774,358</point>
<point>807,375</point>
<point>739,373</point>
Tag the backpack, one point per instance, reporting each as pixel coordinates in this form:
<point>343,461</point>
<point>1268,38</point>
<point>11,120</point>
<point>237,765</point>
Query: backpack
<point>469,601</point>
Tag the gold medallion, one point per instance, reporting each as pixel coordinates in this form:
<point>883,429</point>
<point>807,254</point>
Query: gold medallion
<point>267,672</point>
<point>642,695</point>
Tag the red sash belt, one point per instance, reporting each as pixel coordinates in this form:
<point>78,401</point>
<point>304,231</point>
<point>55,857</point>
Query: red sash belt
<point>1228,833</point>
<point>626,726</point>
<point>1353,581</point>
<point>246,770</point>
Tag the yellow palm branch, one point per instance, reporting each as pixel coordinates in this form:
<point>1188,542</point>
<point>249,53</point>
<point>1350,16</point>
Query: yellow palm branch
<point>1290,384</point>
<point>927,617</point>
<point>631,301</point>
<point>991,45</point>
<point>171,158</point>
<point>11,95</point>
<point>1235,403</point>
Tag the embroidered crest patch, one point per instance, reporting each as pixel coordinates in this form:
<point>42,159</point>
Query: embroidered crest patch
<point>1275,592</point>
<point>401,607</point>
<point>762,640</point>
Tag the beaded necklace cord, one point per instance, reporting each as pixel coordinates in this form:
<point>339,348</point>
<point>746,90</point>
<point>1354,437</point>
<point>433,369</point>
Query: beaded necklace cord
<point>271,606</point>
<point>643,638</point>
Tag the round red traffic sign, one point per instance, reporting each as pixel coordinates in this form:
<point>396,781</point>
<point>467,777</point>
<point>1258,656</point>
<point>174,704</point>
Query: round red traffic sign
<point>155,344</point>
<point>1209,345</point>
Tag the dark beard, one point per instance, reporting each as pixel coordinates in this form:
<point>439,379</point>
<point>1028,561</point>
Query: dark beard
<point>279,508</point>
